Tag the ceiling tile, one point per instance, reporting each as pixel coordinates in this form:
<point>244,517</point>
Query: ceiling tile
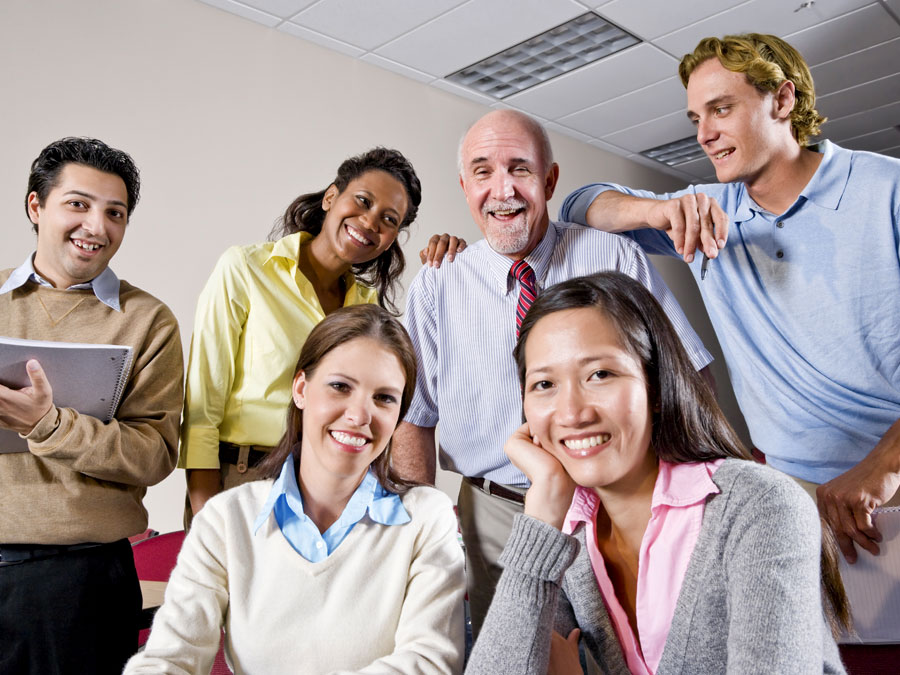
<point>894,5</point>
<point>651,18</point>
<point>245,12</point>
<point>372,23</point>
<point>673,171</point>
<point>874,142</point>
<point>607,78</point>
<point>281,8</point>
<point>862,123</point>
<point>476,30</point>
<point>633,108</point>
<point>609,147</point>
<point>397,67</point>
<point>761,16</point>
<point>672,127</point>
<point>319,39</point>
<point>847,34</point>
<point>454,88</point>
<point>571,133</point>
<point>874,62</point>
<point>699,168</point>
<point>862,97</point>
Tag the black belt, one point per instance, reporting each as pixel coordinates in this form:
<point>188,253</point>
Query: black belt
<point>16,553</point>
<point>496,489</point>
<point>229,453</point>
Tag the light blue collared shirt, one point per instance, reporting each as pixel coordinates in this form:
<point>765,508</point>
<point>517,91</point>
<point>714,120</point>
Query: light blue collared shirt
<point>806,306</point>
<point>105,285</point>
<point>461,319</point>
<point>301,532</point>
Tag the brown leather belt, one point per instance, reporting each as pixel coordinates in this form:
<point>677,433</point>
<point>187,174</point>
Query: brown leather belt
<point>496,490</point>
<point>229,453</point>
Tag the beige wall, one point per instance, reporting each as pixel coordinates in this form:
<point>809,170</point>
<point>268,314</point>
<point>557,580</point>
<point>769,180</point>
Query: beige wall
<point>228,121</point>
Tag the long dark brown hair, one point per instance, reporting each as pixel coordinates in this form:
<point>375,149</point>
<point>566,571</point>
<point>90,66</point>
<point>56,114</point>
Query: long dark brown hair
<point>339,327</point>
<point>688,425</point>
<point>305,214</point>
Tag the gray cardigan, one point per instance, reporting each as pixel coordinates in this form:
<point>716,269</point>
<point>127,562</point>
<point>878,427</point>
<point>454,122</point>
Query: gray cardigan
<point>750,601</point>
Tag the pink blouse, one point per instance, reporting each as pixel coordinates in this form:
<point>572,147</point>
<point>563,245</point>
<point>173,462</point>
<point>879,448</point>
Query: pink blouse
<point>676,513</point>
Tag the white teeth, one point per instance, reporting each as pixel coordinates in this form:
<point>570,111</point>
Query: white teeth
<point>505,212</point>
<point>723,153</point>
<point>356,237</point>
<point>86,246</point>
<point>347,439</point>
<point>585,443</point>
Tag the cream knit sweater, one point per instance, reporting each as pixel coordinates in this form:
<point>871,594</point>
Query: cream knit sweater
<point>389,599</point>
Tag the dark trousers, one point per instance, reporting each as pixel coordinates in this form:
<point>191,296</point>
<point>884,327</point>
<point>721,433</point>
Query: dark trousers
<point>75,612</point>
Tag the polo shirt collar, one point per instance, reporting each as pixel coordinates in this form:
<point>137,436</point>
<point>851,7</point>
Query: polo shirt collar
<point>105,285</point>
<point>539,260</point>
<point>827,186</point>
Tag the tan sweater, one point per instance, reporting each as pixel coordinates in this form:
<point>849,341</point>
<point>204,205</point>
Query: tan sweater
<point>83,480</point>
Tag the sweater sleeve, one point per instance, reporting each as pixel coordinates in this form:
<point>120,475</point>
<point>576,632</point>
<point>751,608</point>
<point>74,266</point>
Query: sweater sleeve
<point>430,634</point>
<point>187,628</point>
<point>515,637</point>
<point>139,446</point>
<point>772,567</point>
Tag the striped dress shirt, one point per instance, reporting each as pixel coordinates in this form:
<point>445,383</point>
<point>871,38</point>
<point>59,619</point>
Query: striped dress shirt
<point>461,318</point>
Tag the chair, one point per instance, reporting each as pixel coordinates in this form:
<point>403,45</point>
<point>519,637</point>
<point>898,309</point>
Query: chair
<point>870,659</point>
<point>154,560</point>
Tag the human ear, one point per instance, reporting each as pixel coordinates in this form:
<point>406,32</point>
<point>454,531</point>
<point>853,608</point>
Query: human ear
<point>34,205</point>
<point>550,180</point>
<point>785,98</point>
<point>298,390</point>
<point>329,197</point>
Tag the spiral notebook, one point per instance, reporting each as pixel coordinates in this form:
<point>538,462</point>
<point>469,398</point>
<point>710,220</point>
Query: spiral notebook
<point>87,377</point>
<point>873,585</point>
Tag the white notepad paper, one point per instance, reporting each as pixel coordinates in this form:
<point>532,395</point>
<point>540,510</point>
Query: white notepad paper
<point>873,585</point>
<point>87,377</point>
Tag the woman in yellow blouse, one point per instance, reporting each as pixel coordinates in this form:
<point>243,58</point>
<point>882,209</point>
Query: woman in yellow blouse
<point>335,248</point>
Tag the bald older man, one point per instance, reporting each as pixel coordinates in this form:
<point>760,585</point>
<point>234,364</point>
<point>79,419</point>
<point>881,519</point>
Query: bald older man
<point>462,319</point>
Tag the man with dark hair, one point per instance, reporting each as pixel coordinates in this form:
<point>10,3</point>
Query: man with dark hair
<point>463,317</point>
<point>805,296</point>
<point>69,595</point>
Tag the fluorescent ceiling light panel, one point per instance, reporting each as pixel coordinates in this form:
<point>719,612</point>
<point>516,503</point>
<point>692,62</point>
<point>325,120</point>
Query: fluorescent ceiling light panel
<point>676,152</point>
<point>583,40</point>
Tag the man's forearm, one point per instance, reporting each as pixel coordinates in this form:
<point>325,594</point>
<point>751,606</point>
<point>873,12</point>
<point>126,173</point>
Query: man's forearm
<point>613,211</point>
<point>413,453</point>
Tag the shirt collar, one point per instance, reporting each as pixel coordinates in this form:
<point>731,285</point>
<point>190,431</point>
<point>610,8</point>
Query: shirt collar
<point>677,485</point>
<point>684,484</point>
<point>382,506</point>
<point>826,187</point>
<point>105,285</point>
<point>539,260</point>
<point>286,251</point>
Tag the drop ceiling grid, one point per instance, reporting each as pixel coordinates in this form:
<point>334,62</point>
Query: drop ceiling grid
<point>623,104</point>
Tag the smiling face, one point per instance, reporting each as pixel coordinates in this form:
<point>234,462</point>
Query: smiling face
<point>351,406</point>
<point>80,224</point>
<point>506,182</point>
<point>362,222</point>
<point>742,129</point>
<point>586,401</point>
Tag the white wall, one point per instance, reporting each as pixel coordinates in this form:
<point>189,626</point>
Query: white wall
<point>228,122</point>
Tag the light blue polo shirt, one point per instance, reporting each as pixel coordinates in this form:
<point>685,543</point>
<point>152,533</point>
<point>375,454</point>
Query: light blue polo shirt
<point>286,502</point>
<point>806,306</point>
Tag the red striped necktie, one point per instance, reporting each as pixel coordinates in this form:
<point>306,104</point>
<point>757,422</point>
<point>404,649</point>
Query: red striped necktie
<point>522,271</point>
